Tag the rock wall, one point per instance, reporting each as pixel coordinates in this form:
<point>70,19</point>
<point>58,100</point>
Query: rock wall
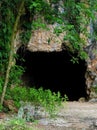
<point>45,40</point>
<point>91,73</point>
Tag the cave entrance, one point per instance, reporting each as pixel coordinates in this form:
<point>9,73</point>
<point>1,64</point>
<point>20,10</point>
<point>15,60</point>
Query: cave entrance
<point>54,71</point>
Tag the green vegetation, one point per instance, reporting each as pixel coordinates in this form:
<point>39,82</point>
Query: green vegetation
<point>17,124</point>
<point>23,16</point>
<point>39,97</point>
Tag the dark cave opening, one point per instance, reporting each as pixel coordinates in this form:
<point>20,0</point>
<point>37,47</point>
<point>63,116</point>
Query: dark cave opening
<point>54,71</point>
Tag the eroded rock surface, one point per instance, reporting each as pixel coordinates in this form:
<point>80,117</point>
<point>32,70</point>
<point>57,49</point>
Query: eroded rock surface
<point>91,73</point>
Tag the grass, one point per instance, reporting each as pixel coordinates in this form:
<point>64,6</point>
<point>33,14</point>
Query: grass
<point>17,124</point>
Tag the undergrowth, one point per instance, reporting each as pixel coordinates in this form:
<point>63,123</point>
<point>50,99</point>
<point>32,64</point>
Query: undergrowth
<point>17,124</point>
<point>51,101</point>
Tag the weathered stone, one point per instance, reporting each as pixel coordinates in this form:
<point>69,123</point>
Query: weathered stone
<point>82,99</point>
<point>91,75</point>
<point>45,40</point>
<point>2,115</point>
<point>9,104</point>
<point>30,112</point>
<point>93,100</point>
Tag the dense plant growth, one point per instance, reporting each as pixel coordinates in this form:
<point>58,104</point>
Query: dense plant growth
<point>49,100</point>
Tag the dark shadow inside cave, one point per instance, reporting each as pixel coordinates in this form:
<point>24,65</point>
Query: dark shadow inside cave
<point>54,71</point>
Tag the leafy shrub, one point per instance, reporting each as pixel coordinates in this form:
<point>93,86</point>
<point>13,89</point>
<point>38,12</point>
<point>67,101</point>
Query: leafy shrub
<point>49,100</point>
<point>15,74</point>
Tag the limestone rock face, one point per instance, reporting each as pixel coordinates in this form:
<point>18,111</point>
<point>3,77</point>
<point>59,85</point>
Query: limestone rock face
<point>45,40</point>
<point>91,73</point>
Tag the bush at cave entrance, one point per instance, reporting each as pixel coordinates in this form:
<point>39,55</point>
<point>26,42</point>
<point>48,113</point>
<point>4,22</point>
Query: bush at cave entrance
<point>39,97</point>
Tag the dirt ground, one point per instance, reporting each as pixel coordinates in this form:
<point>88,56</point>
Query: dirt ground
<point>75,116</point>
<point>72,116</point>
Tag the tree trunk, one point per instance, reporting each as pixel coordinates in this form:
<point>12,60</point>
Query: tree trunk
<point>11,51</point>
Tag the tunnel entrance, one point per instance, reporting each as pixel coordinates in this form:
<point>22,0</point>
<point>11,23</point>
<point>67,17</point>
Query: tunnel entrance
<point>54,71</point>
